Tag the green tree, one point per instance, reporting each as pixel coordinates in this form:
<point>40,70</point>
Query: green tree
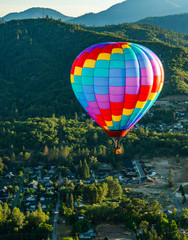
<point>80,170</point>
<point>152,234</point>
<point>171,178</point>
<point>114,188</point>
<point>75,116</point>
<point>106,237</point>
<point>72,202</point>
<point>81,226</point>
<point>144,226</point>
<point>17,218</point>
<point>86,172</point>
<point>13,157</point>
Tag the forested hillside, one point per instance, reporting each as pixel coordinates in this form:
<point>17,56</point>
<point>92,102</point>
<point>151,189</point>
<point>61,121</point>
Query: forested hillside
<point>36,58</point>
<point>144,32</point>
<point>176,23</point>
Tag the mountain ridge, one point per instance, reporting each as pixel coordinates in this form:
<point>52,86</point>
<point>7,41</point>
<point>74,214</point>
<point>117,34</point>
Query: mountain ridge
<point>36,12</point>
<point>132,11</point>
<point>176,22</point>
<point>126,11</point>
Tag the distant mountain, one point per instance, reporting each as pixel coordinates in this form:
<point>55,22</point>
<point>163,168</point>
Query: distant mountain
<point>177,23</point>
<point>36,12</point>
<point>36,56</point>
<point>133,10</point>
<point>124,12</point>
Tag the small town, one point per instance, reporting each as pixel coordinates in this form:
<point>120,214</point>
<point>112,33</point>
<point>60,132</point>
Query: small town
<point>31,187</point>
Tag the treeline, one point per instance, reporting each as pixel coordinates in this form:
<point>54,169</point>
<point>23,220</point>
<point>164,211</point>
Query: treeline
<point>14,224</point>
<point>57,140</point>
<point>35,72</point>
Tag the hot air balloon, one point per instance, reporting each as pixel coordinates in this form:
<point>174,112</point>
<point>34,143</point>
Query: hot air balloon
<point>117,83</point>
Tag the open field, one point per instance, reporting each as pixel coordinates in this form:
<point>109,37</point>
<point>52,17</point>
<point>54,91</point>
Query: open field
<point>64,230</point>
<point>162,166</point>
<point>113,232</point>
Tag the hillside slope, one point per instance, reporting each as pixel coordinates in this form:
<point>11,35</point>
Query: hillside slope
<point>177,23</point>
<point>144,32</point>
<point>36,58</point>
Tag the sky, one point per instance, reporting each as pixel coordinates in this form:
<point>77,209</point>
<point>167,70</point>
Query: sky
<point>71,8</point>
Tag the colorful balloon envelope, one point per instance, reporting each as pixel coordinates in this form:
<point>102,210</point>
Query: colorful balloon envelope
<point>117,83</point>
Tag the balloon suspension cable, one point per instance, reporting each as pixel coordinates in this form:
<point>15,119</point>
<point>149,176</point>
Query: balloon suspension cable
<point>116,140</point>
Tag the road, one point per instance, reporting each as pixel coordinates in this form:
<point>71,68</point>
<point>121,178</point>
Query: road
<point>19,191</point>
<point>140,169</point>
<point>179,208</point>
<point>56,213</point>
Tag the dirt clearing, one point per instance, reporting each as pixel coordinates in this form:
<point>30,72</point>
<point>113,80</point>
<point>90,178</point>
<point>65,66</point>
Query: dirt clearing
<point>113,232</point>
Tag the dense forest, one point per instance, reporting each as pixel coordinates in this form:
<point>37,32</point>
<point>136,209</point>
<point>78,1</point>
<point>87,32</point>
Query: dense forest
<point>176,23</point>
<point>61,141</point>
<point>36,58</point>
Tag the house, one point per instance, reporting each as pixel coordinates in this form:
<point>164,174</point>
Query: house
<point>34,183</point>
<point>70,175</point>
<point>4,194</point>
<point>32,208</point>
<point>42,199</point>
<point>51,171</point>
<point>88,235</point>
<point>30,199</point>
<point>167,212</point>
<point>10,175</point>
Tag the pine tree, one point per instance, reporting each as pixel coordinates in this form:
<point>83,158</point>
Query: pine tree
<point>95,151</point>
<point>75,117</point>
<point>13,157</point>
<point>79,152</point>
<point>152,234</point>
<point>67,200</point>
<point>66,181</point>
<point>86,173</point>
<point>80,173</point>
<point>104,152</point>
<point>71,202</point>
<point>106,237</point>
<point>83,151</point>
<point>46,150</point>
<point>171,178</point>
<point>95,137</point>
<point>87,152</point>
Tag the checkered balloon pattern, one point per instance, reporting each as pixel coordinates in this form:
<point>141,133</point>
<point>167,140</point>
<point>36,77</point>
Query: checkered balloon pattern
<point>117,83</point>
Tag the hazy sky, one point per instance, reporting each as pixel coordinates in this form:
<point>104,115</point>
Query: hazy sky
<point>67,7</point>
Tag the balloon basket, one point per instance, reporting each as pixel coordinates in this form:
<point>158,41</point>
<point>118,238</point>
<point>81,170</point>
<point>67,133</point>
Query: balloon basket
<point>117,147</point>
<point>117,150</point>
